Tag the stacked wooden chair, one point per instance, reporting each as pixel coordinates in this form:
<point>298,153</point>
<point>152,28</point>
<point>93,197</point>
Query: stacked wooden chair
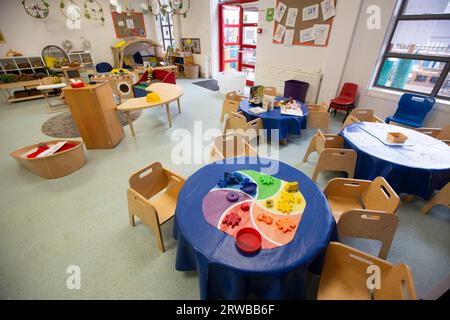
<point>441,198</point>
<point>361,115</point>
<point>152,196</point>
<point>231,145</point>
<point>332,156</point>
<point>364,209</point>
<point>346,272</point>
<point>318,116</point>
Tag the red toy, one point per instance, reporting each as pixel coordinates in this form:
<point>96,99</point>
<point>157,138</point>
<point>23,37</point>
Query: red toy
<point>263,217</point>
<point>346,99</point>
<point>245,207</point>
<point>248,240</point>
<point>285,225</point>
<point>232,219</point>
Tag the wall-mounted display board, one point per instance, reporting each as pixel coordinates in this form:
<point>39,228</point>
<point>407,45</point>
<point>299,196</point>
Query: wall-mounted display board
<point>129,24</point>
<point>191,45</point>
<point>303,22</point>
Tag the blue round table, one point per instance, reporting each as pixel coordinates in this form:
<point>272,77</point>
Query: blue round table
<point>418,167</point>
<point>226,273</point>
<point>286,124</point>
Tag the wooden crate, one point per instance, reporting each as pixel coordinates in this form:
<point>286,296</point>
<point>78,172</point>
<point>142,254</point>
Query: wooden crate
<point>53,166</point>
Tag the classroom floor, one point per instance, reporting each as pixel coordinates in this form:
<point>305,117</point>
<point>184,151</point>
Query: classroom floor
<point>82,219</point>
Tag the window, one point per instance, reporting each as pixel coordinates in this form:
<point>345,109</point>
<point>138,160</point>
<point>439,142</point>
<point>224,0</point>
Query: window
<point>417,56</point>
<point>166,24</point>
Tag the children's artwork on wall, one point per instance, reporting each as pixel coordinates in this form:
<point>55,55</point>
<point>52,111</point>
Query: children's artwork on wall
<point>191,45</point>
<point>129,24</point>
<point>270,14</point>
<point>93,11</point>
<point>311,21</point>
<point>38,9</point>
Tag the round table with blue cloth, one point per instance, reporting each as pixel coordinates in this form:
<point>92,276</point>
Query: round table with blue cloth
<point>418,167</point>
<point>286,124</point>
<point>226,273</point>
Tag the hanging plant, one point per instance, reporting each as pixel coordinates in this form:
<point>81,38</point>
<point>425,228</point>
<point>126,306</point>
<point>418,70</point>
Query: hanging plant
<point>93,11</point>
<point>38,9</point>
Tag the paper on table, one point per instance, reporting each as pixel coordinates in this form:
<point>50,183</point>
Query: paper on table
<point>321,33</point>
<point>278,37</point>
<point>328,9</point>
<point>289,37</point>
<point>307,35</point>
<point>281,9</point>
<point>311,12</point>
<point>291,17</point>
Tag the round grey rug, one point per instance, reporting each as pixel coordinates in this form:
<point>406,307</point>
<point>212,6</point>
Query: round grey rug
<point>63,125</point>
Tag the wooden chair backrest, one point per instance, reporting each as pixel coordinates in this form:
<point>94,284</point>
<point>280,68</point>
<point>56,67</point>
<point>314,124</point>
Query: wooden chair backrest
<point>235,121</point>
<point>325,141</point>
<point>270,91</point>
<point>150,180</point>
<point>363,114</point>
<point>230,145</point>
<point>444,134</point>
<point>346,188</point>
<point>228,107</point>
<point>253,129</point>
<point>371,225</point>
<point>350,266</point>
<point>350,120</point>
<point>380,197</point>
<point>318,116</point>
<point>397,283</point>
<point>432,132</point>
<point>233,96</point>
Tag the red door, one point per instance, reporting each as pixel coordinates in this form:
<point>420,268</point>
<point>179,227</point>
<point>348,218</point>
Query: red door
<point>238,23</point>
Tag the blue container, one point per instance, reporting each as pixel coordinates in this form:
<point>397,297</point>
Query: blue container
<point>296,90</point>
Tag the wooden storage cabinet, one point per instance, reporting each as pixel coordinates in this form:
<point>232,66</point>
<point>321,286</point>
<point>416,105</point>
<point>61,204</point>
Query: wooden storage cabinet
<point>95,114</point>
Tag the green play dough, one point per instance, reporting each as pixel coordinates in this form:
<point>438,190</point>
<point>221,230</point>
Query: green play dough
<point>264,191</point>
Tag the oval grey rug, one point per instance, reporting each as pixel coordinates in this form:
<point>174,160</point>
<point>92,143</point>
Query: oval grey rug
<point>63,125</point>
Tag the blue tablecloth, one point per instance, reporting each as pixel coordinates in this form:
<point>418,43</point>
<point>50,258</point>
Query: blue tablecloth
<point>226,273</point>
<point>275,120</point>
<point>418,167</point>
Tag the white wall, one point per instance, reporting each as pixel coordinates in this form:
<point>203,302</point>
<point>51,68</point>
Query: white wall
<point>329,60</point>
<point>198,24</point>
<point>363,57</point>
<point>30,35</point>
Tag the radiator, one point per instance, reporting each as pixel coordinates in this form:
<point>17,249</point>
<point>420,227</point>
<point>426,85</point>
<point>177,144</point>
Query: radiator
<point>272,76</point>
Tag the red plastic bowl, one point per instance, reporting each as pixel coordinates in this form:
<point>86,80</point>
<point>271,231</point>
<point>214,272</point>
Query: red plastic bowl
<point>77,85</point>
<point>248,240</point>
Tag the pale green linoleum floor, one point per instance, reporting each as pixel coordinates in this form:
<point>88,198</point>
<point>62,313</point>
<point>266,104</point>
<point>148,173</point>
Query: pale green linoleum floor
<point>81,219</point>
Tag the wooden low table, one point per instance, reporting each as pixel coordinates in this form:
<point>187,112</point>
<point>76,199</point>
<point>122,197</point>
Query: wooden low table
<point>168,93</point>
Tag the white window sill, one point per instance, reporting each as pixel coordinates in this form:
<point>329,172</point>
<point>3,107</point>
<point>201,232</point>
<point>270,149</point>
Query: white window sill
<point>392,95</point>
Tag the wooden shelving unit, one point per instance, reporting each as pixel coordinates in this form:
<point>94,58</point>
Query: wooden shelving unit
<point>22,65</point>
<point>84,58</point>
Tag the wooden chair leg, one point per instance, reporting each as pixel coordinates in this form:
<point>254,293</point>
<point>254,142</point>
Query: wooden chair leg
<point>159,238</point>
<point>311,149</point>
<point>131,218</point>
<point>316,173</point>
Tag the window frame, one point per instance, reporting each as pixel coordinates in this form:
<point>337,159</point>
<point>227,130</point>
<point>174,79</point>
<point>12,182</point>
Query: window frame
<point>387,54</point>
<point>170,26</point>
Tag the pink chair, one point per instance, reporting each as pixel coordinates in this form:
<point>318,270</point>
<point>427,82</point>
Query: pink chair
<point>346,99</point>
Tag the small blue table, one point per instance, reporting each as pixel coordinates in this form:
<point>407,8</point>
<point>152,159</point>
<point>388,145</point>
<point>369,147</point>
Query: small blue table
<point>275,120</point>
<point>226,273</point>
<point>418,167</point>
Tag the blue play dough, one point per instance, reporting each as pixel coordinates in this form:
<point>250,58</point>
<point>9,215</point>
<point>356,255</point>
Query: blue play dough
<point>249,187</point>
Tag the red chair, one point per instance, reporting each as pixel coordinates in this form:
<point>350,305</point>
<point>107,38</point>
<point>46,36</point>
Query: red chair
<point>346,99</point>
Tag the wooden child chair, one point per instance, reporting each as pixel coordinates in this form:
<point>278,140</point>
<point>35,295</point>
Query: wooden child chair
<point>364,209</point>
<point>152,196</point>
<point>234,96</point>
<point>345,276</point>
<point>441,198</point>
<point>270,91</point>
<point>253,129</point>
<point>361,115</point>
<point>318,116</point>
<point>231,145</point>
<point>441,134</point>
<point>228,107</point>
<point>332,156</point>
<point>235,121</point>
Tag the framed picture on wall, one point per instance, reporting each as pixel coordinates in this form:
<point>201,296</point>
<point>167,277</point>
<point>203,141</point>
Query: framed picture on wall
<point>2,37</point>
<point>191,45</point>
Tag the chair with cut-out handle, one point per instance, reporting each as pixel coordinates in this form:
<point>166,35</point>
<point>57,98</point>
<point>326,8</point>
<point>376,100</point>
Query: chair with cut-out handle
<point>361,115</point>
<point>346,273</point>
<point>318,116</point>
<point>270,91</point>
<point>152,196</point>
<point>231,145</point>
<point>228,107</point>
<point>364,209</point>
<point>234,96</point>
<point>332,156</point>
<point>440,198</point>
<point>440,134</point>
<point>412,110</point>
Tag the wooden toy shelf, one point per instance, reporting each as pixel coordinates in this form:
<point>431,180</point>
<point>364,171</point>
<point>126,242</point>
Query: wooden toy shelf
<point>5,87</point>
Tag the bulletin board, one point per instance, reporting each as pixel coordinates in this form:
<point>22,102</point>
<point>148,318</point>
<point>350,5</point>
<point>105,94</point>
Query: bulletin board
<point>191,45</point>
<point>300,24</point>
<point>129,24</point>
